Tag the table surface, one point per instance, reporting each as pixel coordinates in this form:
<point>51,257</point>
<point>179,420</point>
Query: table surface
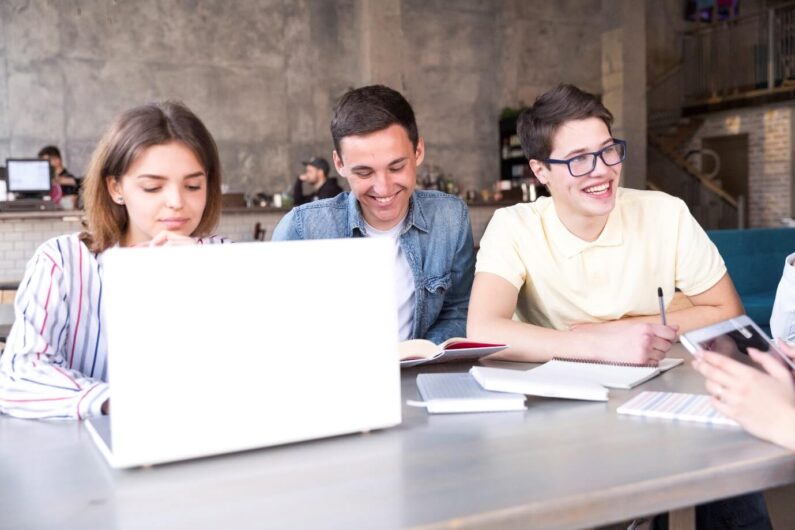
<point>560,464</point>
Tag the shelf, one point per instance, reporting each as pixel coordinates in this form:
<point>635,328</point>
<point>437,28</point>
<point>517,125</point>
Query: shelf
<point>509,144</point>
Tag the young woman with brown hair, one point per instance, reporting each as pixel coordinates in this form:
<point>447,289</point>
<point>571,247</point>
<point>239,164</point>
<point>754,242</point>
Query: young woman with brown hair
<point>154,179</point>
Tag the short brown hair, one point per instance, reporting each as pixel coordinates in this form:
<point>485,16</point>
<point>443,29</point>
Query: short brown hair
<point>50,151</point>
<point>369,109</point>
<point>130,134</point>
<point>537,125</point>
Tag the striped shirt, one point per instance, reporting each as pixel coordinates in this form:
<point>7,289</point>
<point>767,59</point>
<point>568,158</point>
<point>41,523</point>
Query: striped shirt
<point>55,362</point>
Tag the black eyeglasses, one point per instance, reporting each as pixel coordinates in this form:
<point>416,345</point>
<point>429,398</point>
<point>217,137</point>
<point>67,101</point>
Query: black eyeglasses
<point>584,163</point>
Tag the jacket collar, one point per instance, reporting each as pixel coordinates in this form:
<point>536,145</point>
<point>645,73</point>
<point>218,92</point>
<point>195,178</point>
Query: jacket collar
<point>415,216</point>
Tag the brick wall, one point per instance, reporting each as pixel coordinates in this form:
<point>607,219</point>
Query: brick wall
<point>770,147</point>
<point>19,238</point>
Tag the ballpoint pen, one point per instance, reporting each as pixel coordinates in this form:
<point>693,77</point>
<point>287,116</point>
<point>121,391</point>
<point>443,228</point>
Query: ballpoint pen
<point>662,306</point>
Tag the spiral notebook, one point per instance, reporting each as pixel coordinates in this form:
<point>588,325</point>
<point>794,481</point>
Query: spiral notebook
<point>609,374</point>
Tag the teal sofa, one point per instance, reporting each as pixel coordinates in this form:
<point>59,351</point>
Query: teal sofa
<point>755,259</point>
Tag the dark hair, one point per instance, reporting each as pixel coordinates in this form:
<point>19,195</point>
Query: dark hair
<point>537,125</point>
<point>130,134</point>
<point>369,109</point>
<point>50,150</point>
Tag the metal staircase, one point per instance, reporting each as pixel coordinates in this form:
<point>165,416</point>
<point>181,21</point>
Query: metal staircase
<point>744,61</point>
<point>670,171</point>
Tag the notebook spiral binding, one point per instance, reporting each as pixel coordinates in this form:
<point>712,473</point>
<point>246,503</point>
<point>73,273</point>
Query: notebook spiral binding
<point>610,363</point>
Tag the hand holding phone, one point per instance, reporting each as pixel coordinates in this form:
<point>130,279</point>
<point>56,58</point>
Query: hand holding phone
<point>732,337</point>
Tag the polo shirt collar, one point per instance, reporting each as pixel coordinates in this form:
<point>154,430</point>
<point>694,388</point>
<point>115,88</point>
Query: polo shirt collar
<point>570,245</point>
<point>415,216</point>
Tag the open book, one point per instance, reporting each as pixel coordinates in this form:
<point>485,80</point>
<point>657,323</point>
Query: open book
<point>446,393</point>
<point>421,351</point>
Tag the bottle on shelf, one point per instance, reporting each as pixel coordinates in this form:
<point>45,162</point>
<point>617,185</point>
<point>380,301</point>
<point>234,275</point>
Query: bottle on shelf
<point>515,147</point>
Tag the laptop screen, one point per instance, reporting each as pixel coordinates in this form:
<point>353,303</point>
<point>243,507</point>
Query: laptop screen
<point>28,175</point>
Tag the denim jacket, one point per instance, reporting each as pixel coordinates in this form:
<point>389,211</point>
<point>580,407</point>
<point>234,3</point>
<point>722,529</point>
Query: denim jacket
<point>437,242</point>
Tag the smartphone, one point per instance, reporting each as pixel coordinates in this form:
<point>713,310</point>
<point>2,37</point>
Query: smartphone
<point>732,337</point>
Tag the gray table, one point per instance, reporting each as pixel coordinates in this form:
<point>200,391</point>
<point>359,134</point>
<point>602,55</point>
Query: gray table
<point>560,464</point>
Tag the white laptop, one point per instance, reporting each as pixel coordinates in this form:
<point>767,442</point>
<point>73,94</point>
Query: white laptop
<point>222,348</point>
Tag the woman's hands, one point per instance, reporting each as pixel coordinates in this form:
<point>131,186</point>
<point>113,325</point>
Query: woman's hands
<point>763,402</point>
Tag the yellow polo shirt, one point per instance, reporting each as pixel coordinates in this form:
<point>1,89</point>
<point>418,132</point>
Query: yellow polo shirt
<point>650,240</point>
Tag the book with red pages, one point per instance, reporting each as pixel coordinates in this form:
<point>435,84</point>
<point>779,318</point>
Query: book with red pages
<point>420,351</point>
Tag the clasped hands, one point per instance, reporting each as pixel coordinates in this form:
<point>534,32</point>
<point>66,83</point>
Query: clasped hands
<point>167,239</point>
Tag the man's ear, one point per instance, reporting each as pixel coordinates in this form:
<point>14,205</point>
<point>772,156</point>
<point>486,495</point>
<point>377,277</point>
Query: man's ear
<point>338,165</point>
<point>419,153</point>
<point>540,170</point>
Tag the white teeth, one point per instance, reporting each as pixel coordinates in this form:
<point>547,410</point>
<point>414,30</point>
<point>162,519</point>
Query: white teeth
<point>383,200</point>
<point>597,189</point>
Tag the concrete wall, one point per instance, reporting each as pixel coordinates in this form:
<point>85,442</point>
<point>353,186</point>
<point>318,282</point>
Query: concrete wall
<point>264,74</point>
<point>623,61</point>
<point>466,60</point>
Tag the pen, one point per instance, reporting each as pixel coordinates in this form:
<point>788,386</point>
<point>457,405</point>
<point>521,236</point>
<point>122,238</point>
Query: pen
<point>662,306</point>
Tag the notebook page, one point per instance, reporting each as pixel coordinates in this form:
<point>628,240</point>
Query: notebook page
<point>676,406</point>
<point>611,376</point>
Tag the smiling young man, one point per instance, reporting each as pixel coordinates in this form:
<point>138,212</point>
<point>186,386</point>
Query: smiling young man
<point>577,273</point>
<point>377,149</point>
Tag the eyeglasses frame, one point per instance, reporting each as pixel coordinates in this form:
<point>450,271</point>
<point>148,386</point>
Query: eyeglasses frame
<point>595,154</point>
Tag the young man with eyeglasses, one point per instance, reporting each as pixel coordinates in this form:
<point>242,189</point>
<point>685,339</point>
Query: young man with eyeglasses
<point>577,273</point>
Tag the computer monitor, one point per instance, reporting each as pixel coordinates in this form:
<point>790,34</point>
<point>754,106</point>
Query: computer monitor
<point>28,176</point>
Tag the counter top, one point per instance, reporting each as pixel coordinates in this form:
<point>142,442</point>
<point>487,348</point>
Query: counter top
<point>76,215</point>
<point>254,209</point>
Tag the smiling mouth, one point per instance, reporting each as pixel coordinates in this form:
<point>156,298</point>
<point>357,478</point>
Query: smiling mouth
<point>599,188</point>
<point>383,201</point>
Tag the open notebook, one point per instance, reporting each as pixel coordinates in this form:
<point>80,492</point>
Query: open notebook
<point>612,375</point>
<point>421,351</point>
